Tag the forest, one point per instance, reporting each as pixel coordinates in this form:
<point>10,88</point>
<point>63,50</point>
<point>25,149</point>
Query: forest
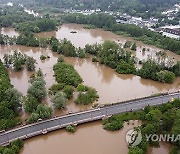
<point>143,8</point>
<point>10,101</point>
<point>11,16</point>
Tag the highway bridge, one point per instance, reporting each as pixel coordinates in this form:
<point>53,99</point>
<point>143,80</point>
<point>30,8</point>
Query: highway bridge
<point>56,123</point>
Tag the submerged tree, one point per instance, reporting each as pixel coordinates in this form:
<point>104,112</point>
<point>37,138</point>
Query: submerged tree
<point>30,63</point>
<point>59,100</point>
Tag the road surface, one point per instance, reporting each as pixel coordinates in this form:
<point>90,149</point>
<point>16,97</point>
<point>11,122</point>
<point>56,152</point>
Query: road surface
<point>43,127</point>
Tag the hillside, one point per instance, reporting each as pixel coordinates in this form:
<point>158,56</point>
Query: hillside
<point>143,8</point>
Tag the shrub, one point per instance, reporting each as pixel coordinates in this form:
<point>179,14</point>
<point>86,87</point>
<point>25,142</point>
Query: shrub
<point>55,88</point>
<point>43,57</point>
<point>125,68</point>
<point>61,58</point>
<point>59,100</point>
<point>166,76</point>
<point>42,112</point>
<point>82,88</point>
<point>68,90</point>
<point>87,97</point>
<point>66,74</point>
<point>128,44</point>
<point>71,128</point>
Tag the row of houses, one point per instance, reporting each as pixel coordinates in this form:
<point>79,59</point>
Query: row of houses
<point>126,19</point>
<point>172,33</point>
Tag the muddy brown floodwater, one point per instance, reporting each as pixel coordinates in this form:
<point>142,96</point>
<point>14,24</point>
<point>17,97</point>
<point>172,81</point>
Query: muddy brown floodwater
<point>111,87</point>
<point>91,36</point>
<point>89,138</point>
<point>163,149</point>
<point>9,31</point>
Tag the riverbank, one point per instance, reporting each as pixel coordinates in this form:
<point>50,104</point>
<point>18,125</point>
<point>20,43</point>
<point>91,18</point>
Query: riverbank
<point>111,86</point>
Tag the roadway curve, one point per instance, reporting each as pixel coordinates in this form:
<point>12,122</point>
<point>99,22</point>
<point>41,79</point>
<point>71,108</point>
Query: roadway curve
<point>43,127</point>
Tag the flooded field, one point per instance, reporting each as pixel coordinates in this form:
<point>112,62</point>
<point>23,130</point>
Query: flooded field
<point>111,87</point>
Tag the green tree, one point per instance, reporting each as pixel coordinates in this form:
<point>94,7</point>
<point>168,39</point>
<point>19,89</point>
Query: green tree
<point>134,47</point>
<point>71,128</point>
<point>125,68</point>
<point>68,90</point>
<point>30,63</point>
<point>66,74</point>
<point>42,112</point>
<point>166,76</point>
<point>59,100</point>
<point>135,150</point>
<point>61,58</point>
<point>127,44</point>
<point>87,97</point>
<point>37,89</point>
<point>30,103</point>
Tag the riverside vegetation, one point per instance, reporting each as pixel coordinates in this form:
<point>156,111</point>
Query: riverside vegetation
<point>155,120</point>
<point>35,95</point>
<point>10,101</point>
<point>121,59</point>
<point>69,81</point>
<point>17,60</point>
<point>13,148</point>
<point>108,22</point>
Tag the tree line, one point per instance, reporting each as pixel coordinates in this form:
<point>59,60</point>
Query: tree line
<point>10,101</point>
<point>108,22</point>
<point>17,60</point>
<point>25,38</point>
<point>10,16</point>
<point>158,68</point>
<point>39,25</point>
<point>32,102</point>
<point>142,8</point>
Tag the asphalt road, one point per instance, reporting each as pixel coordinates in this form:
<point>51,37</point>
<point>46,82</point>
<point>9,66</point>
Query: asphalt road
<point>82,117</point>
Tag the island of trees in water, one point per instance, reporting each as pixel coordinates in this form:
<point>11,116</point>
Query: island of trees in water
<point>109,53</point>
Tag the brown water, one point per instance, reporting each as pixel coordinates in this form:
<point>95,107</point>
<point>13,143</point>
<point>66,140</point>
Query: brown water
<point>163,149</point>
<point>91,36</point>
<point>9,31</point>
<point>89,138</point>
<point>111,87</point>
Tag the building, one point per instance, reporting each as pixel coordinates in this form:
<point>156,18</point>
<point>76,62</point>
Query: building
<point>172,33</point>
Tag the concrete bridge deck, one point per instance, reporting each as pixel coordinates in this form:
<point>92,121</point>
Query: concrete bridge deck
<point>46,126</point>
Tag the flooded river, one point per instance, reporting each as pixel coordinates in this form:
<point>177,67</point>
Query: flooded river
<point>111,87</point>
<point>9,31</point>
<point>91,36</point>
<point>89,138</point>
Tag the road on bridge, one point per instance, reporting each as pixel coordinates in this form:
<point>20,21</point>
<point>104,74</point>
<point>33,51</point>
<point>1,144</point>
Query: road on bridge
<point>43,127</point>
